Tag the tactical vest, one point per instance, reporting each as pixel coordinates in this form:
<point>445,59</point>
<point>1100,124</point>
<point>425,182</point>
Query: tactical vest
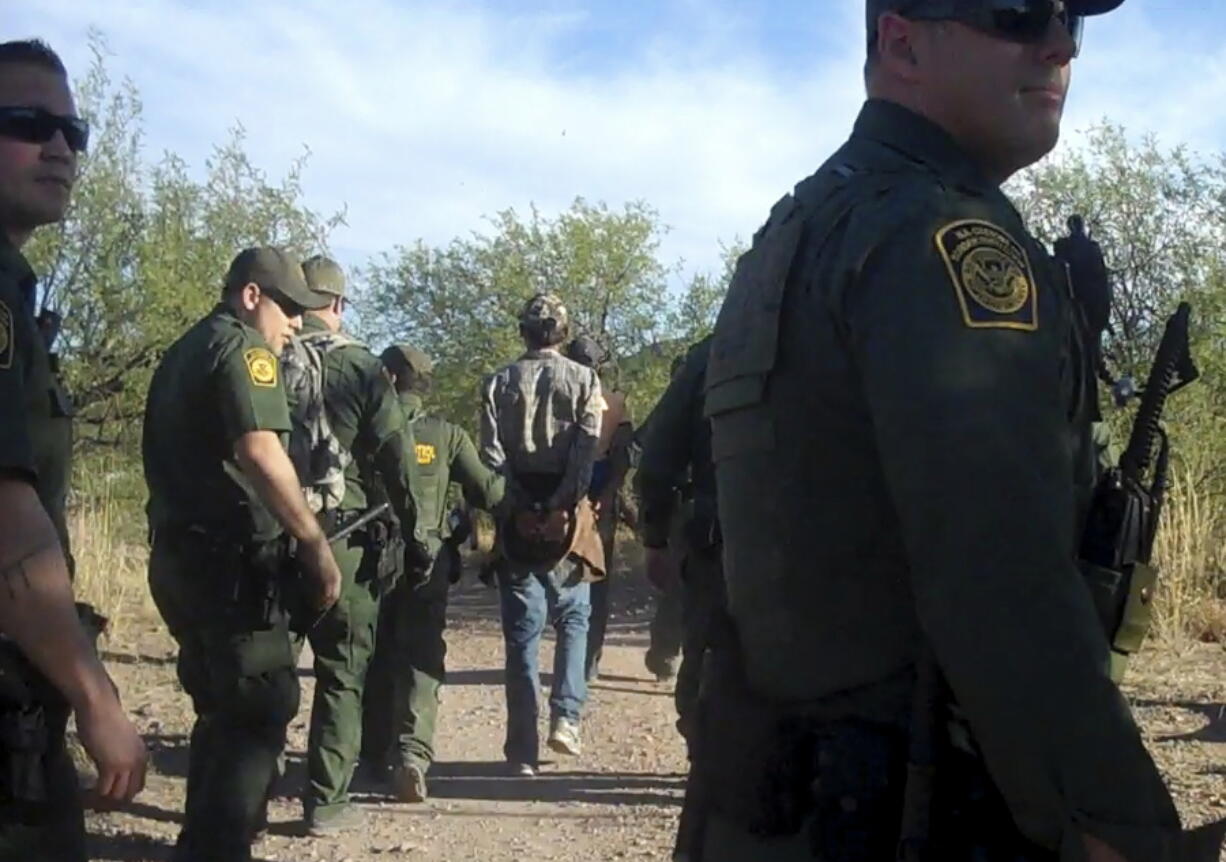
<point>433,458</point>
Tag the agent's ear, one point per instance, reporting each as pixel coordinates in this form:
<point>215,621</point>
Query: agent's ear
<point>896,37</point>
<point>249,296</point>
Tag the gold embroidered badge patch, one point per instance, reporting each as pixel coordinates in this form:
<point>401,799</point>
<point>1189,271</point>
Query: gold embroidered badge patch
<point>7,345</point>
<point>426,453</point>
<point>262,366</point>
<point>991,275</point>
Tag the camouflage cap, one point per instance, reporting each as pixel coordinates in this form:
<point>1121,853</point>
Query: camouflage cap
<point>324,275</point>
<point>275,271</point>
<point>542,307</point>
<point>407,356</point>
<point>874,9</point>
<point>586,351</point>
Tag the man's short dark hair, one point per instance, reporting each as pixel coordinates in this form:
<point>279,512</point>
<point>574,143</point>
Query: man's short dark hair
<point>31,52</point>
<point>407,379</point>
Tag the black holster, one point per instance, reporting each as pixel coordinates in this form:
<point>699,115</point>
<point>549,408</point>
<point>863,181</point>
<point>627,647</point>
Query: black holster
<point>382,538</point>
<point>772,768</point>
<point>700,527</point>
<point>30,708</point>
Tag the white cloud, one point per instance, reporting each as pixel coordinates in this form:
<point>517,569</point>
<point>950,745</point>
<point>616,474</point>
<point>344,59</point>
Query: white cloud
<point>424,117</point>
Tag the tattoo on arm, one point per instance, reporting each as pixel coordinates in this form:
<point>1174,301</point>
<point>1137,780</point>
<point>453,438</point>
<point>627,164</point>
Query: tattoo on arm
<point>13,573</point>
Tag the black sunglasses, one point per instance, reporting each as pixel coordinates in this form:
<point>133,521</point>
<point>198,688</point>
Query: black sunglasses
<point>287,305</point>
<point>37,126</point>
<point>1023,21</point>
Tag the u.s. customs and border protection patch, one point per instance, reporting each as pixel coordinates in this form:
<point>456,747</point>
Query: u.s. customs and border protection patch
<point>426,454</point>
<point>991,275</point>
<point>262,366</point>
<point>7,342</point>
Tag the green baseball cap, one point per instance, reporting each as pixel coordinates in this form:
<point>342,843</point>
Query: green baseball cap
<point>542,307</point>
<point>324,275</point>
<point>407,356</point>
<point>275,271</point>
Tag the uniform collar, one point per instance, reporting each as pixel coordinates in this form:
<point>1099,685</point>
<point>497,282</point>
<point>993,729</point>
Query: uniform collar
<point>311,323</point>
<point>14,264</point>
<point>917,138</point>
<point>541,353</point>
<point>411,402</point>
<point>223,310</point>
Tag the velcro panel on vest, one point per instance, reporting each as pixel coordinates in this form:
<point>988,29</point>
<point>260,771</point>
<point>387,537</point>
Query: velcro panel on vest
<point>747,334</point>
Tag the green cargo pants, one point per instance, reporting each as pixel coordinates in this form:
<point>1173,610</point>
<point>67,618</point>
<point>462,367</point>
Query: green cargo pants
<point>236,662</point>
<point>342,642</point>
<point>408,671</point>
<point>667,631</point>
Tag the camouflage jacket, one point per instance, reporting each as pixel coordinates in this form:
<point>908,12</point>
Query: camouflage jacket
<point>541,415</point>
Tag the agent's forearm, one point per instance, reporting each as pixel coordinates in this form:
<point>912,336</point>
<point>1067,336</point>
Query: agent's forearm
<point>37,612</point>
<point>263,460</point>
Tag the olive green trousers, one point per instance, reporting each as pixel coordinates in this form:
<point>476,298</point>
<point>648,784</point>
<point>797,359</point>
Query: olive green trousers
<point>236,663</point>
<point>343,642</point>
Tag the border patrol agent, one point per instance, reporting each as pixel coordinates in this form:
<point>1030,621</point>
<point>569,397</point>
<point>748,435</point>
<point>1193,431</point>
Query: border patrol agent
<point>408,671</point>
<point>897,390</point>
<point>366,418</point>
<point>666,632</point>
<point>47,664</point>
<point>223,495</point>
<point>676,467</point>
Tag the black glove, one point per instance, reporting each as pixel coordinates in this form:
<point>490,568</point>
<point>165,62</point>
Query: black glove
<point>417,563</point>
<point>455,562</point>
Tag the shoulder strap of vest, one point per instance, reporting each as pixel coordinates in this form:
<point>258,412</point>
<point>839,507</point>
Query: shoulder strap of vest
<point>326,341</point>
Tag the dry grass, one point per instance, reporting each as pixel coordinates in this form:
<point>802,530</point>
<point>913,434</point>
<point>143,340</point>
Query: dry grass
<point>110,565</point>
<point>105,528</point>
<point>1191,558</point>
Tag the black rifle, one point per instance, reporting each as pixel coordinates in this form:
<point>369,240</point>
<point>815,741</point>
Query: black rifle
<point>303,615</point>
<point>1122,522</point>
<point>358,523</point>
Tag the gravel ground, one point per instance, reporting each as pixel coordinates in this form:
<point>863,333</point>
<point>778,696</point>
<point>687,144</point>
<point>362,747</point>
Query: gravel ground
<point>620,800</point>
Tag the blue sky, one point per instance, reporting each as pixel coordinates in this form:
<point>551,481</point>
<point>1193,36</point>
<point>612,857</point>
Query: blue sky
<point>423,117</point>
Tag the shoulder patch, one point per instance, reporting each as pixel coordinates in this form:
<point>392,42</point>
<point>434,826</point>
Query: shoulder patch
<point>7,344</point>
<point>426,454</point>
<point>262,366</point>
<point>991,275</point>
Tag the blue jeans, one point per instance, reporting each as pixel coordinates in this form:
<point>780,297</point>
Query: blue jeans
<point>527,600</point>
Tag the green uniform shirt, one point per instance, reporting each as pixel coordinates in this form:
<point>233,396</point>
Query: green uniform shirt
<point>900,426</point>
<point>35,412</point>
<point>363,411</point>
<point>444,454</point>
<point>677,442</point>
<point>218,382</point>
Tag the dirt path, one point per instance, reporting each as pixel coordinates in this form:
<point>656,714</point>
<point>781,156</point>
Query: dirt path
<point>619,801</point>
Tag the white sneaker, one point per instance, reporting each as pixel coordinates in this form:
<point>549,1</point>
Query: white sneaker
<point>564,737</point>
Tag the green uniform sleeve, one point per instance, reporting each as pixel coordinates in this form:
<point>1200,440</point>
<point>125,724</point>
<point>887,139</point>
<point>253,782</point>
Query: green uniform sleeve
<point>384,416</point>
<point>667,452</point>
<point>483,487</point>
<point>971,423</point>
<point>16,451</point>
<point>393,442</point>
<point>250,390</point>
